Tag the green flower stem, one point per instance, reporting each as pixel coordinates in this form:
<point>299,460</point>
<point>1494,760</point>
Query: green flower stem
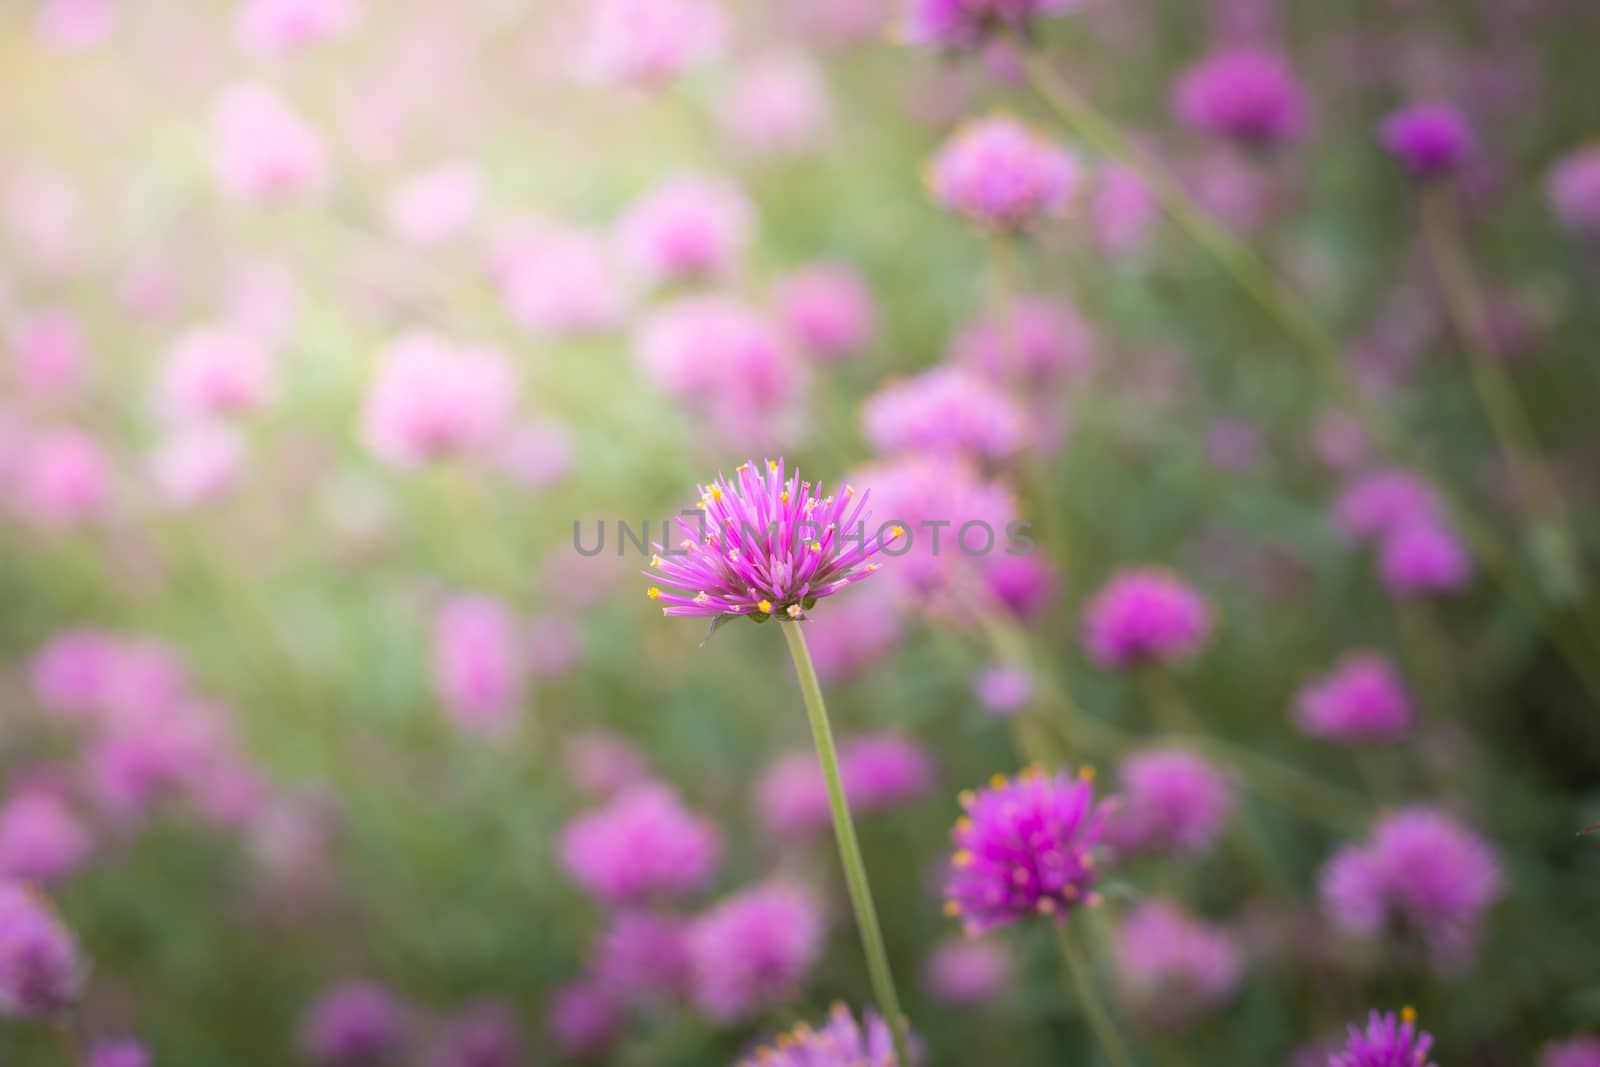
<point>1095,1011</point>
<point>844,832</point>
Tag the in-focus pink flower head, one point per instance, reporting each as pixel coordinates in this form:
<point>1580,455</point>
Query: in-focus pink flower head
<point>559,280</point>
<point>1002,175</point>
<point>1171,800</point>
<point>1172,968</point>
<point>648,43</point>
<point>1429,140</point>
<point>968,971</point>
<point>216,371</point>
<point>354,1024</point>
<point>1361,701</point>
<point>954,24</point>
<point>480,671</point>
<point>50,357</point>
<point>944,411</point>
<point>601,763</point>
<point>1246,93</point>
<point>430,208</point>
<point>1040,342</point>
<point>643,957</point>
<point>42,840</point>
<point>754,951</point>
<point>1575,1052</point>
<point>263,150</point>
<point>643,845</point>
<point>828,310</point>
<point>838,1042</point>
<point>1573,187</point>
<point>777,106</point>
<point>434,400</point>
<point>585,1020</point>
<point>1387,1041</point>
<point>196,462</point>
<point>1024,848</point>
<point>1005,690</point>
<point>278,27</point>
<point>41,971</point>
<point>1424,559</point>
<point>64,480</point>
<point>689,227</point>
<point>74,25</point>
<point>1375,504</point>
<point>1421,871</point>
<point>485,1034</point>
<point>766,545</point>
<point>1148,615</point>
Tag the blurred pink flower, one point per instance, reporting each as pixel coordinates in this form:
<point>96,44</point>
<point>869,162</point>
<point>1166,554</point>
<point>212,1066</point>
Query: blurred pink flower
<point>1173,968</point>
<point>1244,92</point>
<point>558,280</point>
<point>754,951</point>
<point>44,214</point>
<point>1003,691</point>
<point>688,227</point>
<point>1146,615</point>
<point>584,1020</point>
<point>215,371</point>
<point>644,844</point>
<point>77,24</point>
<point>1172,800</point>
<point>480,667</point>
<point>601,763</point>
<point>828,310</point>
<point>275,27</point>
<point>1122,211</point>
<point>42,840</point>
<point>646,43</point>
<point>50,357</point>
<point>554,646</point>
<point>1002,175</point>
<point>264,150</point>
<point>435,205</point>
<point>944,411</point>
<point>64,479</point>
<point>1039,342</point>
<point>196,462</point>
<point>1573,187</point>
<point>433,400</point>
<point>778,105</point>
<point>968,971</point>
<point>1423,558</point>
<point>1362,700</point>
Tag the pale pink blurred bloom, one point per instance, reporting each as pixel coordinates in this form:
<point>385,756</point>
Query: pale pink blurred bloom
<point>64,479</point>
<point>1232,443</point>
<point>791,798</point>
<point>152,289</point>
<point>261,299</point>
<point>688,227</point>
<point>49,355</point>
<point>579,582</point>
<point>538,454</point>
<point>213,371</point>
<point>44,214</point>
<point>554,646</point>
<point>226,791</point>
<point>944,411</point>
<point>1573,188</point>
<point>1003,691</point>
<point>559,280</point>
<point>480,669</point>
<point>432,400</point>
<point>646,43</point>
<point>1039,342</point>
<point>41,839</point>
<point>1339,440</point>
<point>968,971</point>
<point>264,150</point>
<point>840,23</point>
<point>778,106</point>
<point>856,632</point>
<point>147,676</point>
<point>584,1020</point>
<point>1122,211</point>
<point>275,27</point>
<point>436,205</point>
<point>196,462</point>
<point>828,310</point>
<point>1242,192</point>
<point>68,674</point>
<point>1423,558</point>
<point>601,763</point>
<point>291,846</point>
<point>77,24</point>
<point>1173,968</point>
<point>154,755</point>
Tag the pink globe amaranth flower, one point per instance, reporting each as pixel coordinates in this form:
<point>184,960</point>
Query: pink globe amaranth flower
<point>436,205</point>
<point>42,840</point>
<point>791,798</point>
<point>214,371</point>
<point>69,673</point>
<point>944,411</point>
<point>838,1042</point>
<point>486,1034</point>
<point>601,763</point>
<point>855,633</point>
<point>147,756</point>
<point>968,971</point>
<point>276,27</point>
<point>1362,701</point>
<point>1172,968</point>
<point>538,454</point>
<point>828,310</point>
<point>584,1020</point>
<point>263,150</point>
<point>196,463</point>
<point>64,479</point>
<point>1573,188</point>
<point>766,545</point>
<point>754,950</point>
<point>777,106</point>
<point>40,969</point>
<point>1377,503</point>
<point>644,957</point>
<point>1245,93</point>
<point>964,23</point>
<point>642,845</point>
<point>839,23</point>
<point>1388,1041</point>
<point>558,280</point>
<point>480,671</point>
<point>1576,1052</point>
<point>1172,799</point>
<point>1024,848</point>
<point>50,360</point>
<point>45,216</point>
<point>354,1024</point>
<point>1429,140</point>
<point>1145,616</point>
<point>647,43</point>
<point>1024,586</point>
<point>1244,192</point>
<point>1422,559</point>
<point>118,1052</point>
<point>1002,175</point>
<point>1039,342</point>
<point>689,227</point>
<point>75,25</point>
<point>1004,691</point>
<point>1422,871</point>
<point>432,400</point>
<point>1122,211</point>
<point>261,300</point>
<point>884,770</point>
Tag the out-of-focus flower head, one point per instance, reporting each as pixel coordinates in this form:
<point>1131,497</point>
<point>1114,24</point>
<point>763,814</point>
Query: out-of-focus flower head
<point>1002,175</point>
<point>766,545</point>
<point>196,462</point>
<point>264,150</point>
<point>965,23</point>
<point>1380,502</point>
<point>584,1020</point>
<point>839,1042</point>
<point>1339,440</point>
<point>75,25</point>
<point>1026,586</point>
<point>1576,1052</point>
<point>648,43</point>
<point>879,771</point>
<point>40,969</point>
<point>44,214</point>
<point>968,971</point>
<point>689,227</point>
<point>644,956</point>
<point>777,106</point>
<point>215,371</point>
<point>538,454</point>
<point>642,845</point>
<point>277,27</point>
<point>1423,559</point>
<point>1173,968</point>
<point>479,668</point>
<point>430,208</point>
<point>1024,847</point>
<point>1233,443</point>
<point>1004,690</point>
<point>828,310</point>
<point>432,400</point>
<point>554,645</point>
<point>1388,1041</point>
<point>558,280</point>
<point>1122,211</point>
<point>119,1052</point>
<point>1420,870</point>
<point>354,1024</point>
<point>602,763</point>
<point>1429,140</point>
<point>944,411</point>
<point>754,951</point>
<point>150,754</point>
<point>64,479</point>
<point>1573,187</point>
<point>854,633</point>
<point>1362,700</point>
<point>42,840</point>
<point>89,673</point>
<point>50,359</point>
<point>1038,342</point>
<point>486,1034</point>
<point>1171,799</point>
<point>1246,93</point>
<point>1145,616</point>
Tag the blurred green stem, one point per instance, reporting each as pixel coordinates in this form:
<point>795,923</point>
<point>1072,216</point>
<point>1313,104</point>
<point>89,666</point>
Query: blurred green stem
<point>1084,987</point>
<point>844,831</point>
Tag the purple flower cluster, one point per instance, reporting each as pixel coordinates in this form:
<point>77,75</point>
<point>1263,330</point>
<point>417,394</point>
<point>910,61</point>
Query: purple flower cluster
<point>1173,968</point>
<point>354,1024</point>
<point>1578,1052</point>
<point>839,1042</point>
<point>643,845</point>
<point>40,969</point>
<point>1002,175</point>
<point>1171,799</point>
<point>1145,616</point>
<point>1388,1041</point>
<point>1245,93</point>
<point>754,950</point>
<point>1418,552</point>
<point>1430,140</point>
<point>1361,701</point>
<point>942,411</point>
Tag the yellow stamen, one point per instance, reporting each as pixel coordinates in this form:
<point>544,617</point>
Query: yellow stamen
<point>655,560</point>
<point>653,593</point>
<point>1086,772</point>
<point>997,781</point>
<point>1408,1014</point>
<point>896,531</point>
<point>766,607</point>
<point>952,908</point>
<point>967,798</point>
<point>962,858</point>
<point>795,611</point>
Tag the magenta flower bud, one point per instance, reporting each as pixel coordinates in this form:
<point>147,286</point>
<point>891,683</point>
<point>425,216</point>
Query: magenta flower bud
<point>1573,188</point>
<point>216,371</point>
<point>778,106</point>
<point>689,227</point>
<point>1388,1041</point>
<point>965,23</point>
<point>968,971</point>
<point>1171,799</point>
<point>647,43</point>
<point>1145,616</point>
<point>41,839</point>
<point>40,970</point>
<point>1024,848</point>
<point>278,27</point>
<point>1430,140</point>
<point>263,150</point>
<point>1362,701</point>
<point>839,1042</point>
<point>1003,176</point>
<point>486,1034</point>
<point>480,671</point>
<point>1003,691</point>
<point>644,844</point>
<point>1424,558</point>
<point>1039,342</point>
<point>828,311</point>
<point>754,951</point>
<point>1174,969</point>
<point>354,1024</point>
<point>1244,93</point>
<point>1577,1052</point>
<point>434,401</point>
<point>119,1052</point>
<point>584,1021</point>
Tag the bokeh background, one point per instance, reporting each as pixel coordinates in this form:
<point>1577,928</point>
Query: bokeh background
<point>324,324</point>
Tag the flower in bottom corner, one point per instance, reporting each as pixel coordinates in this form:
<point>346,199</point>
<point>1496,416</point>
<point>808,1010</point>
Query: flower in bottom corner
<point>1389,1040</point>
<point>838,1042</point>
